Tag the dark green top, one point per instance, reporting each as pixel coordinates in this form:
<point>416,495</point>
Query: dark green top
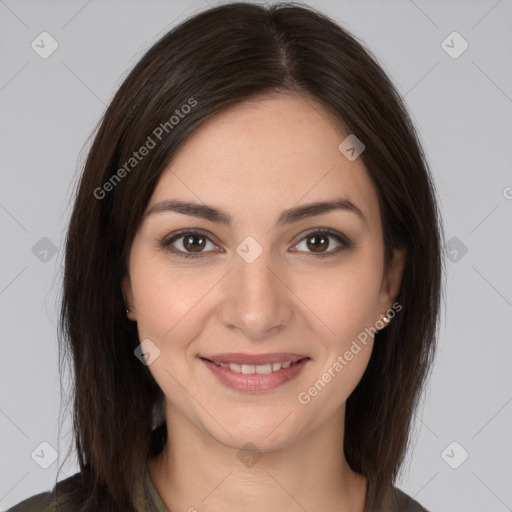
<point>148,500</point>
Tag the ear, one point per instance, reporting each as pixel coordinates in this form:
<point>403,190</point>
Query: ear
<point>391,281</point>
<point>126,288</point>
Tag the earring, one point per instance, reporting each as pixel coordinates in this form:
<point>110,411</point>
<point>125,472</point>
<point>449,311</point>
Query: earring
<point>385,318</point>
<point>127,310</point>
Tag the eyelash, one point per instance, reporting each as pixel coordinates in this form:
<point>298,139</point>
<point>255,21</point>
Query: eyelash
<point>344,242</point>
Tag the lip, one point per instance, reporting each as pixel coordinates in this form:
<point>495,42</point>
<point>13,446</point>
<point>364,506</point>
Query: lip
<point>255,382</point>
<point>239,358</point>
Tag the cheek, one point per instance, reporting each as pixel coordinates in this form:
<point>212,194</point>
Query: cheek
<point>168,300</point>
<point>345,300</point>
<point>347,307</point>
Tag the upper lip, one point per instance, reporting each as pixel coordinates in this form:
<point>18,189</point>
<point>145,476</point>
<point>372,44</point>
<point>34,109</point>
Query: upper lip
<point>255,359</point>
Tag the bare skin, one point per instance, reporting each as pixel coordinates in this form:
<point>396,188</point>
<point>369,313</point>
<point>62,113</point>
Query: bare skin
<point>253,161</point>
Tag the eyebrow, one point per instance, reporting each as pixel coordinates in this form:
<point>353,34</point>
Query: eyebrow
<point>289,216</point>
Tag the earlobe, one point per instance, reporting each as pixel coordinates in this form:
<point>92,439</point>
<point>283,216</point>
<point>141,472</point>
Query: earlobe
<point>128,297</point>
<point>392,280</point>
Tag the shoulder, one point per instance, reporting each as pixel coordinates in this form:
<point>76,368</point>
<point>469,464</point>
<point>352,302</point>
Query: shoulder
<point>393,499</point>
<point>66,496</point>
<point>405,503</point>
<point>37,503</point>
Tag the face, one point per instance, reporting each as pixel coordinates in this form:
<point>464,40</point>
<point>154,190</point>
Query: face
<point>246,277</point>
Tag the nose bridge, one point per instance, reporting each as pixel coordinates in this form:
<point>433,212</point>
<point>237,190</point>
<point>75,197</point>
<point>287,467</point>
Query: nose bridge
<point>257,299</point>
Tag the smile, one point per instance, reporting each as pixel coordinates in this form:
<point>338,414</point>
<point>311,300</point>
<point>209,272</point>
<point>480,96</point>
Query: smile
<point>261,369</point>
<point>255,377</point>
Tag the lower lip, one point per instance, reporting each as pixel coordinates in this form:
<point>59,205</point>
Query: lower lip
<point>255,381</point>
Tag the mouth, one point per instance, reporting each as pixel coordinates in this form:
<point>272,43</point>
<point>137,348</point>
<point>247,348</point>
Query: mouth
<point>244,372</point>
<point>255,363</point>
<point>260,369</point>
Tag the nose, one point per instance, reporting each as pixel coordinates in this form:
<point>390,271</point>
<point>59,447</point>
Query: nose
<point>256,300</point>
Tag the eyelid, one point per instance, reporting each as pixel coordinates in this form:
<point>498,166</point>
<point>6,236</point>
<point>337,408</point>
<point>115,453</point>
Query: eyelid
<point>343,240</point>
<point>328,231</point>
<point>168,240</point>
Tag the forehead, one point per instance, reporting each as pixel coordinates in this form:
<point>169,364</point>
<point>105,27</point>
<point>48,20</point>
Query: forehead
<point>265,155</point>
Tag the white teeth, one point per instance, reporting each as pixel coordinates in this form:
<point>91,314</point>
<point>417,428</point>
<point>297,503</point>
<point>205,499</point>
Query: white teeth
<point>262,369</point>
<point>248,368</point>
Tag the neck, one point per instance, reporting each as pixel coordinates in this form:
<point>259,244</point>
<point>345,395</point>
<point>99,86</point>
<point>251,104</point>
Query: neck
<point>195,471</point>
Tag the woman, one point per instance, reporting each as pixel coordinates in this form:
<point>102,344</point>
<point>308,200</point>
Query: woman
<point>252,276</point>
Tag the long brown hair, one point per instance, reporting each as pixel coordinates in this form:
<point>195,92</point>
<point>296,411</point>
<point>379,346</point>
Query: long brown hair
<point>215,59</point>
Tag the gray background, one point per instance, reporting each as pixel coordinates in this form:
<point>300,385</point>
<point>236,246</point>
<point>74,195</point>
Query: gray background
<point>463,110</point>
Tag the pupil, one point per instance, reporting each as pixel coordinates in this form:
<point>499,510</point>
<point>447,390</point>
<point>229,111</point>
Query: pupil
<point>323,244</point>
<point>194,247</point>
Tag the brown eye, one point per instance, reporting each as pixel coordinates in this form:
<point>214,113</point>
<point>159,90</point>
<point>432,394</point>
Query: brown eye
<point>188,244</point>
<point>194,243</point>
<point>318,243</point>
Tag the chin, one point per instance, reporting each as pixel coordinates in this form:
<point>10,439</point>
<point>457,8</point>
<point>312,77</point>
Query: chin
<point>257,438</point>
